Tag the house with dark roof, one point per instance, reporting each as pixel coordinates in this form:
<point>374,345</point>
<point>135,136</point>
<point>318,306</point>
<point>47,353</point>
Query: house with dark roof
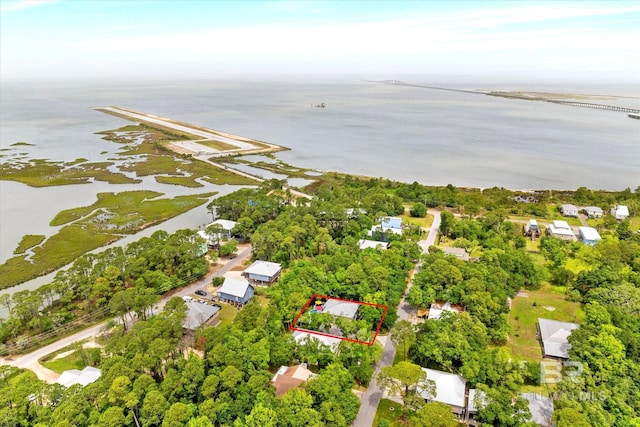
<point>289,377</point>
<point>554,335</point>
<point>237,292</point>
<point>262,273</point>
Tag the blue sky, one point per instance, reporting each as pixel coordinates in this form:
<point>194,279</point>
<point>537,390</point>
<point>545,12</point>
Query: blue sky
<point>595,41</point>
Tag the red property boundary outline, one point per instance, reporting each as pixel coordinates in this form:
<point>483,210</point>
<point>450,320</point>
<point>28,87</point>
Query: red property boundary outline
<point>293,327</point>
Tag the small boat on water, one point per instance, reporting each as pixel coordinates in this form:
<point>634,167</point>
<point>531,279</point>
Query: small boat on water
<point>634,116</point>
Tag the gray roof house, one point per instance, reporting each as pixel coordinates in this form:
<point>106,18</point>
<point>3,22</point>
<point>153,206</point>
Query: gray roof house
<point>460,253</point>
<point>341,308</point>
<point>263,272</point>
<point>554,334</point>
<point>237,292</point>
<point>569,210</point>
<point>541,408</point>
<point>593,211</point>
<point>199,314</point>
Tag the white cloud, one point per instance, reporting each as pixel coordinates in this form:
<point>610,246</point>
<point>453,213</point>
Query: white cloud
<point>10,6</point>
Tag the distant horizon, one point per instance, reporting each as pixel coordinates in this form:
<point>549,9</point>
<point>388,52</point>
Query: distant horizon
<point>51,40</point>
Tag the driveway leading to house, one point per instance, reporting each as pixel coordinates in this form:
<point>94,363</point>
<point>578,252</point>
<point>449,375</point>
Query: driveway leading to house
<point>371,398</point>
<point>31,360</point>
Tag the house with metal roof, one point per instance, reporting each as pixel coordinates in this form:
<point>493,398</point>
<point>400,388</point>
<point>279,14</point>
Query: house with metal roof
<point>460,253</point>
<point>569,210</point>
<point>589,235</point>
<point>341,308</point>
<point>372,244</point>
<point>388,224</point>
<point>561,230</point>
<point>262,273</point>
<point>237,292</point>
<point>450,389</point>
<point>74,376</point>
<point>541,408</point>
<point>198,314</point>
<point>593,211</point>
<point>554,335</point>
<point>621,212</point>
<point>302,338</point>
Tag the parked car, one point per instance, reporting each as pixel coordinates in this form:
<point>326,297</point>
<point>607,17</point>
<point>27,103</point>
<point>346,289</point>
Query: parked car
<point>201,293</point>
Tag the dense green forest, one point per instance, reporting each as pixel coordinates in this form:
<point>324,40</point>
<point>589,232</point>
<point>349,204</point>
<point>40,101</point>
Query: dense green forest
<point>153,376</point>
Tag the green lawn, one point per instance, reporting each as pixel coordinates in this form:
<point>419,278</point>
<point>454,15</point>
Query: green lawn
<point>227,314</point>
<point>422,222</point>
<point>390,411</point>
<point>524,315</point>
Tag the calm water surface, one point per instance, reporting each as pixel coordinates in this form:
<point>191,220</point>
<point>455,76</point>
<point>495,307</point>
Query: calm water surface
<point>403,133</point>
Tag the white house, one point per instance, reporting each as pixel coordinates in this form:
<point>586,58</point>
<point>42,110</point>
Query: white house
<point>226,227</point>
<point>73,376</point>
<point>593,211</point>
<point>589,235</point>
<point>450,389</point>
<point>302,337</point>
<point>561,230</point>
<point>569,210</point>
<point>366,244</point>
<point>621,212</point>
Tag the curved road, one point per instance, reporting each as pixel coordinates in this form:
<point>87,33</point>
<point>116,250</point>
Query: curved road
<point>30,360</point>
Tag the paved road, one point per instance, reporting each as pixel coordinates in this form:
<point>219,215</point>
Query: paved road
<point>30,360</point>
<point>371,398</point>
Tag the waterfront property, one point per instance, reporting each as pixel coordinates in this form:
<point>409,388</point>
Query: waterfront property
<point>263,273</point>
<point>226,226</point>
<point>621,212</point>
<point>554,335</point>
<point>237,292</point>
<point>561,230</point>
<point>589,235</point>
<point>569,210</point>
